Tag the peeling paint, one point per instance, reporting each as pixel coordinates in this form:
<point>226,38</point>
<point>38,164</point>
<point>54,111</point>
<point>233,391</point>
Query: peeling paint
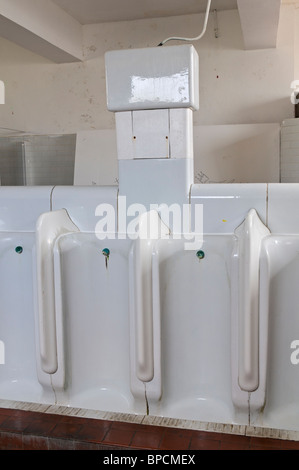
<point>92,48</point>
<point>87,118</point>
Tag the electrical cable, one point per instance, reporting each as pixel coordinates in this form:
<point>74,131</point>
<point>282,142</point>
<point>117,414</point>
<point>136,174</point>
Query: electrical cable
<point>197,37</point>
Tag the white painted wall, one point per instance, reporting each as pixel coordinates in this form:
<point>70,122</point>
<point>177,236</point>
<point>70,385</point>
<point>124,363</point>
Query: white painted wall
<point>237,153</point>
<point>236,86</point>
<point>96,158</point>
<point>240,153</point>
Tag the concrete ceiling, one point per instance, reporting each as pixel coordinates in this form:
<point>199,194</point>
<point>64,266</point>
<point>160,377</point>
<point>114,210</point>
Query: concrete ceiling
<point>101,11</point>
<point>53,28</point>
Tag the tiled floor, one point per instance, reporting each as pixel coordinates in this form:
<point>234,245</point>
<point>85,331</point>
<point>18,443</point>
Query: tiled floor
<point>27,430</point>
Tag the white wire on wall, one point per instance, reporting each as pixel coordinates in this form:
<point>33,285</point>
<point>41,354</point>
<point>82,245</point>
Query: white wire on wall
<point>197,37</point>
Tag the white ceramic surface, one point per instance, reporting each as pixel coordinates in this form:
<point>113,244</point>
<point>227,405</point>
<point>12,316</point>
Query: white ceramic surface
<point>21,206</point>
<point>249,322</point>
<point>94,299</point>
<point>145,315</point>
<point>155,182</point>
<point>152,78</point>
<point>49,227</point>
<point>19,210</point>
<point>279,281</point>
<point>159,133</point>
<point>193,302</point>
<point>226,205</point>
<point>82,202</point>
<point>195,329</point>
<point>18,380</point>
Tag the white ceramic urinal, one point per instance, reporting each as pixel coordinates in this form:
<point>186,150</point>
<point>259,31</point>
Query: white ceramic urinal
<point>50,226</point>
<point>249,332</point>
<point>145,309</point>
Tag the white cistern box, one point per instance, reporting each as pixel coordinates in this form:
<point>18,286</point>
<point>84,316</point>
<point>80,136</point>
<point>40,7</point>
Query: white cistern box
<point>152,78</point>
